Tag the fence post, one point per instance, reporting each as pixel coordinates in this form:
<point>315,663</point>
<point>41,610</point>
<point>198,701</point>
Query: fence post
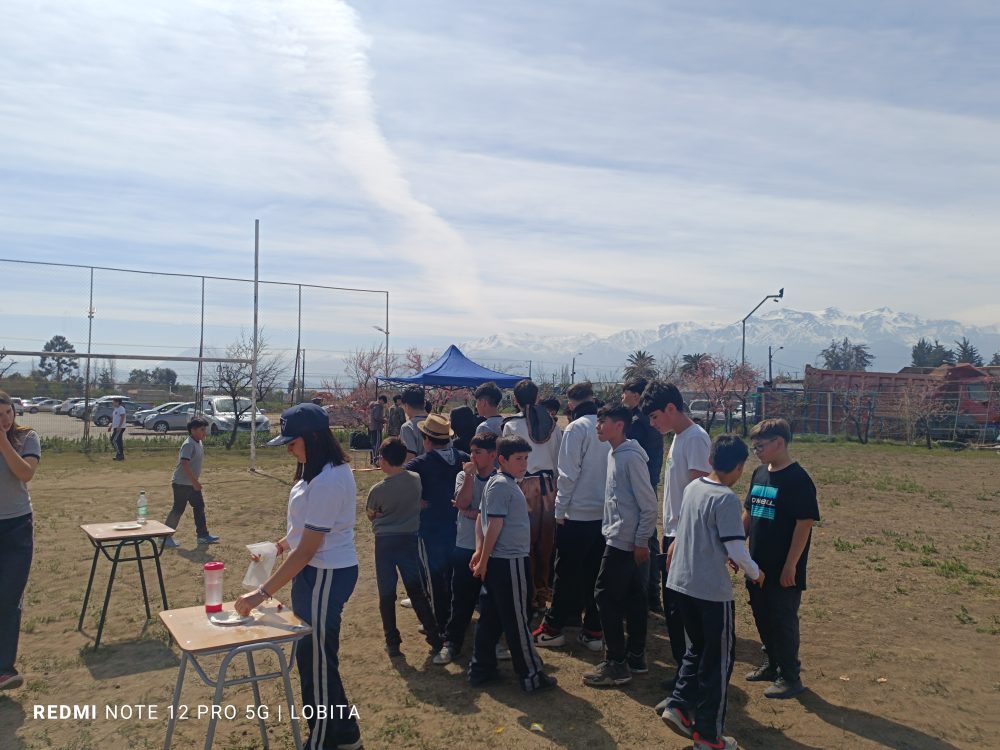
<point>829,413</point>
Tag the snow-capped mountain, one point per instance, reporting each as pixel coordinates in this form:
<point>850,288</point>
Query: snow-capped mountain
<point>802,334</point>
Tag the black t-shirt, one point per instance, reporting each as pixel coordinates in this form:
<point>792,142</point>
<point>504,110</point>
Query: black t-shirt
<point>776,500</point>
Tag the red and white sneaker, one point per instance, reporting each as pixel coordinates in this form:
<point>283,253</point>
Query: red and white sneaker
<point>678,721</point>
<point>10,681</point>
<point>546,638</point>
<point>723,743</point>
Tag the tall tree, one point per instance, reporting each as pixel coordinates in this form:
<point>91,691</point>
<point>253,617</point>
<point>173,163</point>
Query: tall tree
<point>995,362</point>
<point>926,354</point>
<point>965,352</point>
<point>163,376</point>
<point>58,368</point>
<point>845,355</point>
<point>640,364</point>
<point>5,365</point>
<point>691,362</point>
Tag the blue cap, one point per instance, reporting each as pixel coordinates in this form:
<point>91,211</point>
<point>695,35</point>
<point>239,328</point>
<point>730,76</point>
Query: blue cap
<point>300,420</point>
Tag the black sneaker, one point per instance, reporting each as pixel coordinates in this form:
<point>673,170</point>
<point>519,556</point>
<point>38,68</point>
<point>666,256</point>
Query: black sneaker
<point>637,663</point>
<point>764,673</point>
<point>545,682</point>
<point>782,689</point>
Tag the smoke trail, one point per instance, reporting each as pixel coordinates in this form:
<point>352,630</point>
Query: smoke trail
<point>326,40</point>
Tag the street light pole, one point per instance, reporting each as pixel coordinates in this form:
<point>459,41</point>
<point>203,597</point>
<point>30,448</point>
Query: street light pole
<point>572,375</point>
<point>743,349</point>
<point>770,357</point>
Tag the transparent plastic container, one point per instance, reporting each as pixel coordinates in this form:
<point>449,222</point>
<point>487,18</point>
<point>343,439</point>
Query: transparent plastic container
<point>213,586</point>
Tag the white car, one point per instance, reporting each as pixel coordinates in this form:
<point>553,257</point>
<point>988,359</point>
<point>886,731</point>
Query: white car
<point>222,411</point>
<point>45,404</point>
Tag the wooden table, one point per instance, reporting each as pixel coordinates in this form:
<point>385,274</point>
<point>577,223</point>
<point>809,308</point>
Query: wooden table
<point>197,636</point>
<point>105,539</point>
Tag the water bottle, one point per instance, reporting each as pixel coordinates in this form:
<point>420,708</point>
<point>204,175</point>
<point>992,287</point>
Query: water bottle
<point>141,509</point>
<point>213,586</point>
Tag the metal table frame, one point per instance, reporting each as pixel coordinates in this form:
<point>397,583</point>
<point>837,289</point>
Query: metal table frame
<point>102,547</point>
<point>220,683</point>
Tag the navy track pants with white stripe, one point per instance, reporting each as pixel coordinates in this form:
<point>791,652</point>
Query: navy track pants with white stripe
<point>703,680</point>
<point>318,597</point>
<point>504,607</point>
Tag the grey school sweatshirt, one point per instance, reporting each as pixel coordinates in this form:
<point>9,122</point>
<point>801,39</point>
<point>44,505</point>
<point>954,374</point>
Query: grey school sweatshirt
<point>629,498</point>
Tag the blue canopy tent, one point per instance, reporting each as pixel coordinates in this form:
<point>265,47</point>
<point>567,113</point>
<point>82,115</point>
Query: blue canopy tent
<point>454,370</point>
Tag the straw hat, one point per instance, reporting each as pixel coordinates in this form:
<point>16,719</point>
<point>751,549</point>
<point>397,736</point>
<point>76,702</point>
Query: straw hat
<point>437,427</point>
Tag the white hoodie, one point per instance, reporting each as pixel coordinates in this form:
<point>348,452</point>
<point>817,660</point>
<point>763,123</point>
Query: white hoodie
<point>583,471</point>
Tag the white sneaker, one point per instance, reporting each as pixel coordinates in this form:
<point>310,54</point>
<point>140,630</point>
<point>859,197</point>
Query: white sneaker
<point>445,656</point>
<point>406,604</point>
<point>547,640</point>
<point>503,654</point>
<point>591,642</point>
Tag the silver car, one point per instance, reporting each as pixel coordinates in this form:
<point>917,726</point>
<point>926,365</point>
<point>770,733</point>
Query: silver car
<point>45,404</point>
<point>175,418</point>
<point>140,416</point>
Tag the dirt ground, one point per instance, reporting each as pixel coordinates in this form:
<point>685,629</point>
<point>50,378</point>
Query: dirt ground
<point>900,626</point>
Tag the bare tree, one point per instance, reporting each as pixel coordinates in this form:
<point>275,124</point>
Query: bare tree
<point>234,379</point>
<point>713,380</point>
<point>5,366</point>
<point>921,408</point>
<point>859,409</point>
<point>363,367</point>
<point>271,368</point>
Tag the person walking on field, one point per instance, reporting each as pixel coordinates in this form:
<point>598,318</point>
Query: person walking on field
<point>376,423</point>
<point>20,452</point>
<point>322,566</point>
<point>186,484</point>
<point>117,429</point>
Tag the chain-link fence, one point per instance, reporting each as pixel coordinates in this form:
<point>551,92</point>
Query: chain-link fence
<point>914,415</point>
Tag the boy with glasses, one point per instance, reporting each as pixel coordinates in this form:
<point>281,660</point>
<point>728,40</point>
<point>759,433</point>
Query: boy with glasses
<point>778,515</point>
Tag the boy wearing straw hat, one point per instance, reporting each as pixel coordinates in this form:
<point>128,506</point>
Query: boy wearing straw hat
<point>437,467</point>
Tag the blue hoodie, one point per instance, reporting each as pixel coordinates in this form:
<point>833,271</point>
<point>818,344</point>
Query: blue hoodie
<point>629,498</point>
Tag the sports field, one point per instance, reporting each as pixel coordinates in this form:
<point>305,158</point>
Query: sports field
<point>900,626</point>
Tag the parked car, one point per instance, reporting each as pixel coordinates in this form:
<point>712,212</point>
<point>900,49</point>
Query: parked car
<point>77,409</point>
<point>222,410</point>
<point>140,416</point>
<point>175,418</point>
<point>68,404</point>
<point>18,405</point>
<point>700,409</point>
<point>45,404</point>
<point>102,411</point>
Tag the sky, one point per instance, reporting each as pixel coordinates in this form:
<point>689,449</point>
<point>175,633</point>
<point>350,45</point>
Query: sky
<point>555,168</point>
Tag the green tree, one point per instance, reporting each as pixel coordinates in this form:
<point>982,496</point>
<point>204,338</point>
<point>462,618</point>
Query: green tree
<point>163,376</point>
<point>995,362</point>
<point>691,363</point>
<point>58,368</point>
<point>640,364</point>
<point>139,377</point>
<point>967,353</point>
<point>845,355</point>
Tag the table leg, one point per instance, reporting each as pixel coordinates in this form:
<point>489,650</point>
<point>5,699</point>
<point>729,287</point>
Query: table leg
<point>90,583</point>
<point>107,595</point>
<point>217,700</point>
<point>142,579</point>
<point>175,706</point>
<point>256,699</point>
<point>157,551</point>
<point>289,699</point>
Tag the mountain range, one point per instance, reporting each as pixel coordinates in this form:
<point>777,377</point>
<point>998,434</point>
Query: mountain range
<point>801,334</point>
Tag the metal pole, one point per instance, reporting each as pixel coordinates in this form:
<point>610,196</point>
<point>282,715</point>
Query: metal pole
<point>86,377</point>
<point>572,375</point>
<point>529,369</point>
<point>298,351</point>
<point>199,395</point>
<point>302,385</point>
<point>743,346</point>
<point>256,352</point>
<point>770,375</point>
<point>387,373</point>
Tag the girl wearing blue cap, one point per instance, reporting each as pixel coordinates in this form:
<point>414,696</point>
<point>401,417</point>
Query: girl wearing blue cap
<point>323,568</point>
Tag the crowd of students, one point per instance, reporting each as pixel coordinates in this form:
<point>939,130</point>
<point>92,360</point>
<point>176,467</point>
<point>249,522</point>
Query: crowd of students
<point>543,529</point>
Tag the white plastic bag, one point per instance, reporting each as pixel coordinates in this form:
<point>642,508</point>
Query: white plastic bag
<point>260,570</point>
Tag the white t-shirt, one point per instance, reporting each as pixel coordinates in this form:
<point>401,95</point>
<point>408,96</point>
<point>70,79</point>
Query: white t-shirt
<point>689,451</point>
<point>327,504</point>
<point>543,456</point>
<point>118,418</point>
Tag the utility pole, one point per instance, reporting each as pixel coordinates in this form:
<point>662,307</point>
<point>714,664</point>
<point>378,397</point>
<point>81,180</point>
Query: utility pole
<point>743,349</point>
<point>770,358</point>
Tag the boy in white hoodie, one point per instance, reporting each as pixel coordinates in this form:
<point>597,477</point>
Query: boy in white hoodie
<point>583,468</point>
<point>629,519</point>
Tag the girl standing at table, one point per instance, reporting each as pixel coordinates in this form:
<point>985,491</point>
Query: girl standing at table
<point>19,455</point>
<point>323,567</point>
